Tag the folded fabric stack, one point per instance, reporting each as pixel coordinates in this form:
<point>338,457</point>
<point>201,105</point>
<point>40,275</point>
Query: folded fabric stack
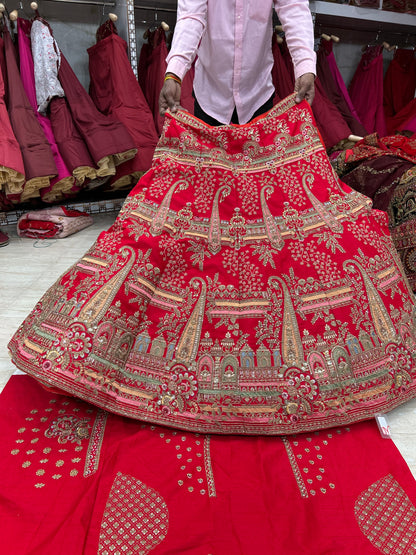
<point>57,221</point>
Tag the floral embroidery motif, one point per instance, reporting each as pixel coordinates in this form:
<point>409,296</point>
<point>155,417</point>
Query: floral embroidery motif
<point>69,428</point>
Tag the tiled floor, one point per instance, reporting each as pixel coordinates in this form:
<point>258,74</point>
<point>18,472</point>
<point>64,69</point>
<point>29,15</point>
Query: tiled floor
<point>28,268</point>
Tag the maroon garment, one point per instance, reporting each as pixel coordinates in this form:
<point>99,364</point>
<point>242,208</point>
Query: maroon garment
<point>71,145</point>
<point>104,135</point>
<point>156,74</point>
<point>187,99</point>
<point>333,93</point>
<point>377,178</point>
<point>283,79</point>
<point>143,65</point>
<point>399,85</point>
<point>116,92</point>
<point>36,151</point>
<point>366,90</point>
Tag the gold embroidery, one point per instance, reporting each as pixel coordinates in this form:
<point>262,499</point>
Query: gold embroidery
<point>298,476</point>
<point>135,519</point>
<point>208,466</point>
<point>387,517</point>
<point>100,302</point>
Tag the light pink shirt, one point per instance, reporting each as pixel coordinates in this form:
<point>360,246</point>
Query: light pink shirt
<point>233,41</point>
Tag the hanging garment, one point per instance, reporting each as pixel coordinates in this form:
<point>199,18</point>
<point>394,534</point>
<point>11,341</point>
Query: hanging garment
<point>63,183</point>
<point>71,145</point>
<point>127,487</point>
<point>143,64</point>
<point>107,139</point>
<point>333,93</point>
<point>156,73</point>
<point>116,92</point>
<point>338,79</point>
<point>330,122</point>
<point>399,85</point>
<point>47,59</point>
<point>366,90</point>
<point>11,163</point>
<point>187,98</point>
<point>242,289</point>
<point>37,155</point>
<point>283,79</point>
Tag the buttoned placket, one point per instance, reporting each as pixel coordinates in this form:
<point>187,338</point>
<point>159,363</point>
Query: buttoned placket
<point>238,51</point>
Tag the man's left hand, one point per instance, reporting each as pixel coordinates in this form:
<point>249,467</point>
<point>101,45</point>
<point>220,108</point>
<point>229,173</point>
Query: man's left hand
<point>305,88</point>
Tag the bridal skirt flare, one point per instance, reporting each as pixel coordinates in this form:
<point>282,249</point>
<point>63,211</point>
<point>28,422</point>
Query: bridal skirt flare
<point>242,289</point>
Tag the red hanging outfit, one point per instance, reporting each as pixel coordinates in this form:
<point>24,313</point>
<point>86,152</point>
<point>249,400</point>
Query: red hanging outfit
<point>366,90</point>
<point>116,92</point>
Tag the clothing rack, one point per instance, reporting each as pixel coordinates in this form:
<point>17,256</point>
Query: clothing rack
<point>88,2</point>
<point>151,8</point>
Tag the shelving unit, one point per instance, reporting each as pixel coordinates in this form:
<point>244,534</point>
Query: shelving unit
<point>356,20</point>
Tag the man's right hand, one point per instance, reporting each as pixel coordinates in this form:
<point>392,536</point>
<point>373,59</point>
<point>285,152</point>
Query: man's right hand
<point>170,96</point>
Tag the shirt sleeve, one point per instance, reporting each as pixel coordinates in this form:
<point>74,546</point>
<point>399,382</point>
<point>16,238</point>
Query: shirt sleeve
<point>190,26</point>
<point>296,20</point>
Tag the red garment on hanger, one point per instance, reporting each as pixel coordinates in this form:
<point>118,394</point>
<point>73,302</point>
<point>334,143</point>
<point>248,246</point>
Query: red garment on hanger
<point>70,143</point>
<point>283,79</point>
<point>63,183</point>
<point>117,93</point>
<point>332,91</point>
<point>78,480</point>
<point>156,73</point>
<point>366,90</point>
<point>330,122</point>
<point>11,162</point>
<point>399,86</point>
<point>36,151</point>
<point>104,135</point>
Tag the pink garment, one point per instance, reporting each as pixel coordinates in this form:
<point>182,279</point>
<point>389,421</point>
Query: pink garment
<point>28,80</point>
<point>336,74</point>
<point>233,39</point>
<point>366,90</point>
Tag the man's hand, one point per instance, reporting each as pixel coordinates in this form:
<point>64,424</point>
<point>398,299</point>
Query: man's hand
<point>305,88</point>
<point>170,96</point>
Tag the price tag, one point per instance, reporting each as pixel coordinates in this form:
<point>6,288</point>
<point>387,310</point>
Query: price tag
<point>383,426</point>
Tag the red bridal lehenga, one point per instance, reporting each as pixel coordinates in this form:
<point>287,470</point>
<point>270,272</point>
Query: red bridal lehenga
<point>243,289</point>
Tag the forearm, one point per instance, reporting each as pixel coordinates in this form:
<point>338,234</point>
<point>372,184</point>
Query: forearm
<point>296,20</point>
<point>189,28</point>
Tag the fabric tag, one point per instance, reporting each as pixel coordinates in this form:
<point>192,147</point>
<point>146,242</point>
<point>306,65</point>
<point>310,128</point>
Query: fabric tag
<point>383,426</point>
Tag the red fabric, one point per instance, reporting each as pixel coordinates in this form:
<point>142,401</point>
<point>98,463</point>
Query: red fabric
<point>56,221</point>
<point>10,154</point>
<point>77,480</point>
<point>331,125</point>
<point>104,135</point>
<point>155,74</point>
<point>333,93</point>
<point>70,143</point>
<point>399,83</point>
<point>36,151</point>
<point>52,192</point>
<point>283,80</point>
<point>187,99</point>
<point>143,65</point>
<point>242,289</point>
<point>116,92</point>
<point>366,90</point>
